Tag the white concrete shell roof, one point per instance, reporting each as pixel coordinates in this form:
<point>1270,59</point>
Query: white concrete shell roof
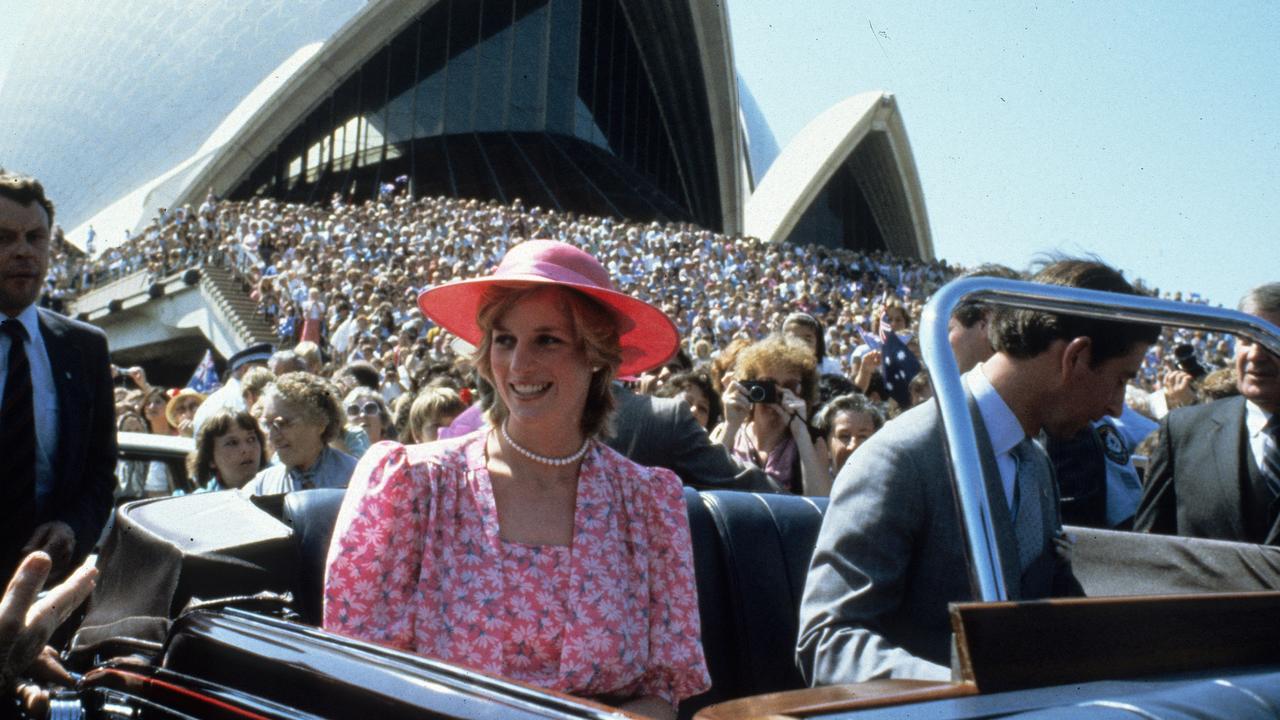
<point>867,130</point>
<point>670,46</point>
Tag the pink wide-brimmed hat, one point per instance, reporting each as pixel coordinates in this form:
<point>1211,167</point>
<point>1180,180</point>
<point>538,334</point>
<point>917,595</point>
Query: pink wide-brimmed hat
<point>647,336</point>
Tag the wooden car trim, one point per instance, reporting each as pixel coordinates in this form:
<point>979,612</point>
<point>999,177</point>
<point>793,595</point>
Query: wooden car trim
<point>1015,645</point>
<point>836,698</point>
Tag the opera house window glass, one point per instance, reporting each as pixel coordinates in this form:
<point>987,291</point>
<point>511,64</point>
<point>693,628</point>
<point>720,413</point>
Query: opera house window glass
<point>543,100</point>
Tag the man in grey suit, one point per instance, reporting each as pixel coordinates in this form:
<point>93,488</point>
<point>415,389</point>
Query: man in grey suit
<point>1208,477</point>
<point>890,557</point>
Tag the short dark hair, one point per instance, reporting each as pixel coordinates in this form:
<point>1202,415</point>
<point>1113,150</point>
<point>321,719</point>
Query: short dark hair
<point>825,419</point>
<point>200,461</point>
<point>1027,333</point>
<point>25,190</point>
<point>364,373</point>
<point>806,320</point>
<point>969,312</point>
<point>701,380</point>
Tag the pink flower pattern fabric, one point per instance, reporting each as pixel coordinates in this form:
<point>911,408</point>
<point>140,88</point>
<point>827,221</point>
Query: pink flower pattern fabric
<point>417,563</point>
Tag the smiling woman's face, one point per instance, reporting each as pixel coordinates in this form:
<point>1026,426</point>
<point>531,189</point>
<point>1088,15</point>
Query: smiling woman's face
<point>539,370</point>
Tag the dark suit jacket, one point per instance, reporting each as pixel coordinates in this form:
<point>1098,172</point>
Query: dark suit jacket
<point>1202,482</point>
<point>890,557</point>
<point>84,467</point>
<point>662,432</point>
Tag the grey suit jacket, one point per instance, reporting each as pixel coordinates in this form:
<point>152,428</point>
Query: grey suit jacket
<point>1198,481</point>
<point>662,432</point>
<point>889,558</point>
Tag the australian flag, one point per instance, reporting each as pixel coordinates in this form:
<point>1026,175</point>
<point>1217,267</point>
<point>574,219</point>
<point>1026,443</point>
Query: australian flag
<point>870,340</point>
<point>205,378</point>
<point>898,366</point>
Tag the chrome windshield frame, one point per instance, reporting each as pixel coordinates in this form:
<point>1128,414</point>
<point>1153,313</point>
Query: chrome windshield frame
<point>986,574</point>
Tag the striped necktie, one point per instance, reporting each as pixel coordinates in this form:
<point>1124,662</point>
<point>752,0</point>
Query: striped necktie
<point>18,451</point>
<point>1269,463</point>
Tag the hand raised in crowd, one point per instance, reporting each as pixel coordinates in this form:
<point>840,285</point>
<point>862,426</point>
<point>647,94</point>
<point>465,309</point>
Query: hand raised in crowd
<point>870,364</point>
<point>28,621</point>
<point>815,462</point>
<point>737,407</point>
<point>793,411</point>
<point>139,378</point>
<point>1178,391</point>
<point>55,539</point>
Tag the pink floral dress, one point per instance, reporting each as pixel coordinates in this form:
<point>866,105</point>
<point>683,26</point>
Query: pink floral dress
<point>416,562</point>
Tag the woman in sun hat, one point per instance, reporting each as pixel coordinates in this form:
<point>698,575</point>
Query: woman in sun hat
<point>528,548</point>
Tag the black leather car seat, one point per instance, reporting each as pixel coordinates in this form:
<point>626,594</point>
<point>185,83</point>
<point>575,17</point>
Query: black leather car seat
<point>751,555</point>
<point>311,514</point>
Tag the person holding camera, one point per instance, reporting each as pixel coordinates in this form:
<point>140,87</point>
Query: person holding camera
<point>767,407</point>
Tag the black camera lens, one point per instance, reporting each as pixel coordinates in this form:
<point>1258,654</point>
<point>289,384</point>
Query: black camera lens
<point>761,391</point>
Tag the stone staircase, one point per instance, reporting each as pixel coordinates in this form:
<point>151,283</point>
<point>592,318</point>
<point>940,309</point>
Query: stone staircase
<point>228,294</point>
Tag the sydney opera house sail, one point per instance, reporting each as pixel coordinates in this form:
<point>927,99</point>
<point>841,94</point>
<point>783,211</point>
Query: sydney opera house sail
<point>624,108</point>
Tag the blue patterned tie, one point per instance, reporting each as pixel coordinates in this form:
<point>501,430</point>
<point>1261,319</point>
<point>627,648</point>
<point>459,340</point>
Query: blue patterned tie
<point>1028,520</point>
<point>17,451</point>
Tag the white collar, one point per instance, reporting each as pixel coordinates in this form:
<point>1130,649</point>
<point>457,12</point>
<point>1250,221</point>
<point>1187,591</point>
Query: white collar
<point>1002,425</point>
<point>30,320</point>
<point>1255,418</point>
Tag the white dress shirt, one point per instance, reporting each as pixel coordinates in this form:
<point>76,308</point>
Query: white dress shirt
<point>44,397</point>
<point>1002,426</point>
<point>1255,418</point>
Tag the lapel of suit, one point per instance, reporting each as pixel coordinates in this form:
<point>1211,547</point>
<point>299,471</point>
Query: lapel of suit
<point>67,366</point>
<point>1227,443</point>
<point>997,505</point>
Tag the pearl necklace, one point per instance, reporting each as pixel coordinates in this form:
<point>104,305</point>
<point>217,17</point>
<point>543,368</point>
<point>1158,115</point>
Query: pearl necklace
<point>555,461</point>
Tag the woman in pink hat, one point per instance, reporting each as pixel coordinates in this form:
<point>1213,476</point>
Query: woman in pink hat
<point>528,548</point>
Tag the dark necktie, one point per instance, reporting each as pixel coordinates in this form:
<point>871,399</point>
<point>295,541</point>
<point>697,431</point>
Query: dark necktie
<point>1269,463</point>
<point>1028,520</point>
<point>17,451</point>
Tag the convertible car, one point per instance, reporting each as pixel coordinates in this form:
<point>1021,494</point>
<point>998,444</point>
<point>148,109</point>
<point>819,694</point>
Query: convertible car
<point>208,605</point>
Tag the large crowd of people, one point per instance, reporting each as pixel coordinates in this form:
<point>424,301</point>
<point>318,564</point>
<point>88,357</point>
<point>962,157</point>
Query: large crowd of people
<point>608,362</point>
<point>345,276</point>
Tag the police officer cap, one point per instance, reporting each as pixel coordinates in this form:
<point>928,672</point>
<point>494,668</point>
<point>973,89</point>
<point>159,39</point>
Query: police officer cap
<point>259,353</point>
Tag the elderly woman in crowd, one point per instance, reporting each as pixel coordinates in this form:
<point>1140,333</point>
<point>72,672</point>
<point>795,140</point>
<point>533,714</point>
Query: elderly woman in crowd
<point>367,411</point>
<point>767,407</point>
<point>844,424</point>
<point>229,452</point>
<point>580,559</point>
<point>433,408</point>
<point>301,415</point>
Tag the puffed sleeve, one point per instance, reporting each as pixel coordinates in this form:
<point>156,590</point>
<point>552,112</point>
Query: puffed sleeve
<point>375,556</point>
<point>677,668</point>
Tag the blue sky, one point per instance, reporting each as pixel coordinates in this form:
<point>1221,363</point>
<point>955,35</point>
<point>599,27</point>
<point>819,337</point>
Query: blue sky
<point>1147,133</point>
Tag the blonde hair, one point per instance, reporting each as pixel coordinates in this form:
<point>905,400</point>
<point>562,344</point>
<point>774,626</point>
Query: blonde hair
<point>430,407</point>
